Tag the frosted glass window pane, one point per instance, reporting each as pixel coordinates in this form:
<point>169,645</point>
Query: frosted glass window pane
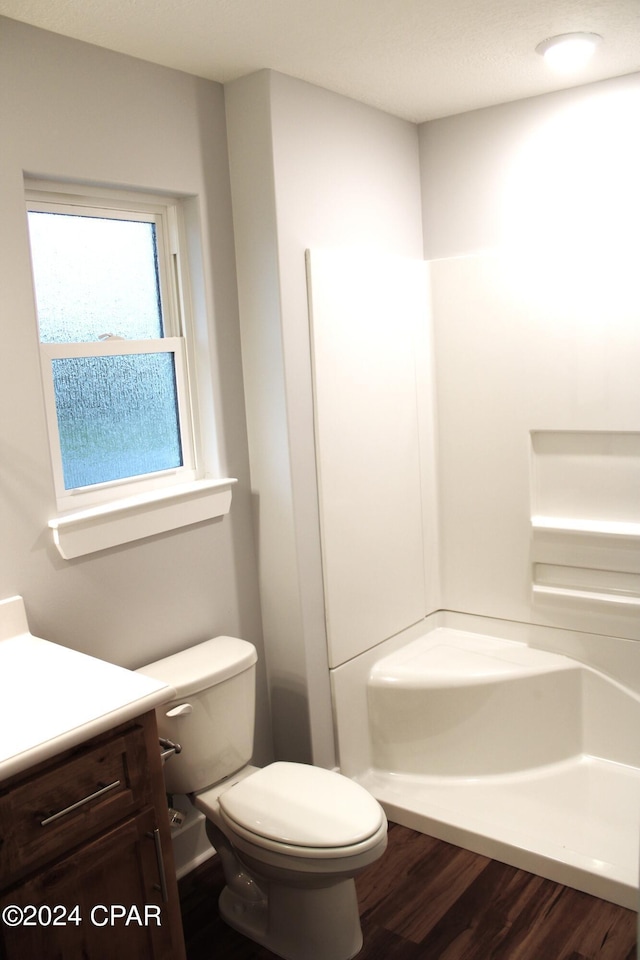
<point>116,416</point>
<point>95,276</point>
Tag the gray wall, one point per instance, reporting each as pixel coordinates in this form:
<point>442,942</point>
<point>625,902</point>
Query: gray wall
<point>74,111</point>
<point>309,169</point>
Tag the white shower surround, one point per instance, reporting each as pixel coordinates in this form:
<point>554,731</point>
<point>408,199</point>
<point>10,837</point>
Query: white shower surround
<point>328,174</point>
<point>555,790</point>
<point>504,737</point>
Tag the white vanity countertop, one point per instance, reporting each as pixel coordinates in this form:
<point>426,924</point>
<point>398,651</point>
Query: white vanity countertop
<point>52,698</point>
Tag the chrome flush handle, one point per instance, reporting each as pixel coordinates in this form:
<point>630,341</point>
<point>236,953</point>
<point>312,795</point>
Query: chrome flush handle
<point>168,748</point>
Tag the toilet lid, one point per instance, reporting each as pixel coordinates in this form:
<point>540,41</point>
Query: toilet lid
<point>301,805</point>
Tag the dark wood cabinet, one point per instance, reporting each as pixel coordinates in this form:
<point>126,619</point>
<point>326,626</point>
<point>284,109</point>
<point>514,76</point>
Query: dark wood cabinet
<point>86,864</point>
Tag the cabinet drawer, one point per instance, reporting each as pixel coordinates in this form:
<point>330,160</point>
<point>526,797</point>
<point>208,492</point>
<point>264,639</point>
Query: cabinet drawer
<point>64,805</point>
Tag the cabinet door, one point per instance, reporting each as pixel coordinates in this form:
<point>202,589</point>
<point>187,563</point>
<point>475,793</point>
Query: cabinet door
<point>103,902</point>
<point>73,799</point>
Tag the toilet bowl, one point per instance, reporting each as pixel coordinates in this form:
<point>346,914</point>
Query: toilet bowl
<point>296,839</point>
<point>291,837</point>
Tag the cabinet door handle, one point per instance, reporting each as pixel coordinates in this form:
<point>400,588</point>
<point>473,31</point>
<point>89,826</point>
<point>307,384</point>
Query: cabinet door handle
<point>162,886</point>
<point>79,803</point>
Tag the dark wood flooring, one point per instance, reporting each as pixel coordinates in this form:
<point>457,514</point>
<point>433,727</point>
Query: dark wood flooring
<point>429,900</point>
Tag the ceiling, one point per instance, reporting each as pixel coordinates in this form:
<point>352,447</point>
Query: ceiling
<point>417,59</point>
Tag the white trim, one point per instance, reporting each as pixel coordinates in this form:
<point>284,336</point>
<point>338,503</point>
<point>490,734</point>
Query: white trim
<point>165,213</point>
<point>110,348</point>
<point>140,516</point>
<point>569,593</point>
<point>159,213</point>
<point>99,492</point>
<point>612,528</point>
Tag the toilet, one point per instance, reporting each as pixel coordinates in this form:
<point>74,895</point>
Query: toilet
<point>291,837</point>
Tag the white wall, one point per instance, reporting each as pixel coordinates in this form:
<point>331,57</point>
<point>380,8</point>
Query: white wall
<point>74,111</point>
<point>374,445</point>
<point>320,171</point>
<point>531,215</point>
<point>488,173</point>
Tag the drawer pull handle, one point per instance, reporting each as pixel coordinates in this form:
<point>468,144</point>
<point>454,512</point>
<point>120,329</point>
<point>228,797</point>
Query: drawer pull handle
<point>79,803</point>
<point>162,886</point>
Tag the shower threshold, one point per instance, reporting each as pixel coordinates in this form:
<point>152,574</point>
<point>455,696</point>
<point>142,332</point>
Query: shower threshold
<point>570,822</point>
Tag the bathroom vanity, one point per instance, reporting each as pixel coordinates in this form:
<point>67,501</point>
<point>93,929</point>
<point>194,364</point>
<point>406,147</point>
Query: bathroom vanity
<point>86,865</point>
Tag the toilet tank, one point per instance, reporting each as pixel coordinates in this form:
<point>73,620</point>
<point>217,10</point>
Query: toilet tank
<point>213,713</point>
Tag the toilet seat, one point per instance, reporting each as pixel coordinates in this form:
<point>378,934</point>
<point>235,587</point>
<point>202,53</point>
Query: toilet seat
<point>303,811</point>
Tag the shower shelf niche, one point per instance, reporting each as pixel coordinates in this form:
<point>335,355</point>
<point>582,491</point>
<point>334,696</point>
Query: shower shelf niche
<point>586,561</point>
<point>567,593</point>
<point>610,528</point>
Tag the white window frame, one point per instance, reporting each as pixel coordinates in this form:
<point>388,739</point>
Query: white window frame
<point>109,514</point>
<point>165,216</point>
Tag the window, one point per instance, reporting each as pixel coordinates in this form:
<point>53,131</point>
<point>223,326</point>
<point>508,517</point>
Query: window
<point>112,339</point>
<point>111,288</point>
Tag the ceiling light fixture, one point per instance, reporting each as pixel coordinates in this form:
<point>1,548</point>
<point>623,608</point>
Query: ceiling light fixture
<point>569,51</point>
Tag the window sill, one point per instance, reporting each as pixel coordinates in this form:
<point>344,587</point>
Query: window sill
<point>134,518</point>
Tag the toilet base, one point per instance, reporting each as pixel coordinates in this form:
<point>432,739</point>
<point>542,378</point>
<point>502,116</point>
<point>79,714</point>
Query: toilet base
<point>308,923</point>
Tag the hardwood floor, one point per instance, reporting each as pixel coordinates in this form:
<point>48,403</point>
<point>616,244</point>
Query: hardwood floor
<point>429,900</point>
